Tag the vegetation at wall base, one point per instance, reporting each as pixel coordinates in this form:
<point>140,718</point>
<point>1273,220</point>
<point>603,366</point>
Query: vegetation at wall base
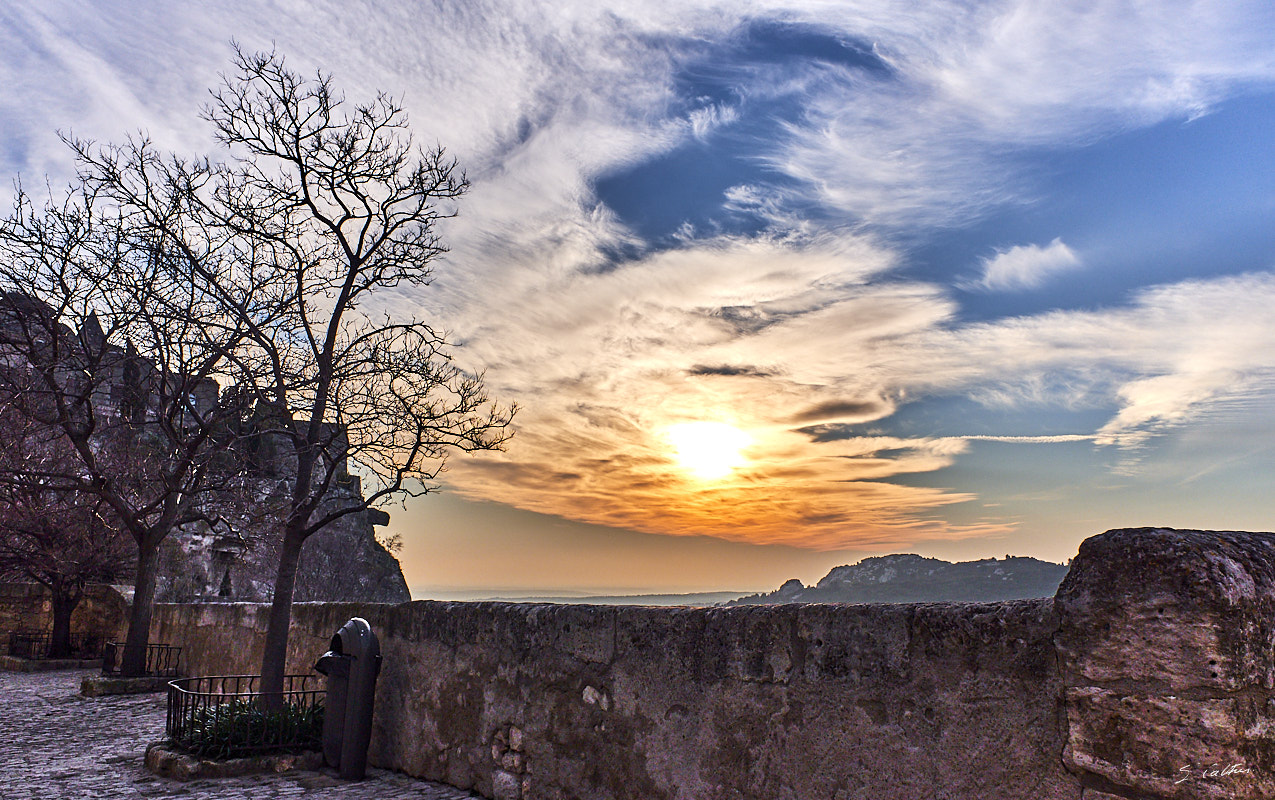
<point>243,728</point>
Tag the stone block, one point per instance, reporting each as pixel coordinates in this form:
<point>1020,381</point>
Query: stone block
<point>16,664</point>
<point>1165,646</point>
<point>102,685</point>
<point>585,632</point>
<point>163,761</point>
<point>506,786</point>
<point>1185,610</point>
<point>1173,747</point>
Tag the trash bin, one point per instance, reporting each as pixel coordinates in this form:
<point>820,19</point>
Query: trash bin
<point>352,664</point>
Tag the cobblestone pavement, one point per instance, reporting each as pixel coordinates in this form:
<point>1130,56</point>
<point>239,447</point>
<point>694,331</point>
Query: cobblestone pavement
<point>56,744</point>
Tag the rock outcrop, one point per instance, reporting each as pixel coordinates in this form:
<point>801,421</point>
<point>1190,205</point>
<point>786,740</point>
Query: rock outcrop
<point>908,578</point>
<point>344,562</point>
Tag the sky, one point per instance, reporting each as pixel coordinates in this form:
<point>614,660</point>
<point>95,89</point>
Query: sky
<point>779,286</point>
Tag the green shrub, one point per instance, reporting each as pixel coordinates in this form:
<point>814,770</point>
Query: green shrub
<point>241,728</point>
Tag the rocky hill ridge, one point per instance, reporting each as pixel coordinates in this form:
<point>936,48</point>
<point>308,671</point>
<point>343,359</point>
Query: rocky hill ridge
<point>910,578</point>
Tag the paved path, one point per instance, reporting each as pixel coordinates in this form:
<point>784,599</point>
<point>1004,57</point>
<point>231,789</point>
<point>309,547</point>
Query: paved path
<point>56,744</point>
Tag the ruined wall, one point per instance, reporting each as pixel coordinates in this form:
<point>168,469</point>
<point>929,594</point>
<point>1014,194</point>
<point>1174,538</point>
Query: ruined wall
<point>1148,676</point>
<point>341,563</point>
<point>198,563</point>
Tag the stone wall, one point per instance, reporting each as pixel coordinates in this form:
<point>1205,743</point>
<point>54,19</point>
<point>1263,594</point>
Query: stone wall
<point>1150,675</point>
<point>27,606</point>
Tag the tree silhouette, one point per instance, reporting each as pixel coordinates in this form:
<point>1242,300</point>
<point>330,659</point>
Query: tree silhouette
<point>316,207</point>
<point>60,538</point>
<point>113,352</point>
<point>345,205</point>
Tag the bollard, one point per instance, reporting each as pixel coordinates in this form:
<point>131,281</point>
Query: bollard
<point>352,664</point>
<point>336,666</point>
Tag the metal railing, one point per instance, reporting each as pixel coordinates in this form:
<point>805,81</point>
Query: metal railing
<point>28,644</point>
<point>35,644</point>
<point>162,660</point>
<point>224,717</point>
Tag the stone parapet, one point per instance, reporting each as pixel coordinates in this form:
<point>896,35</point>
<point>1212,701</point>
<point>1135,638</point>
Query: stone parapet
<point>1153,665</point>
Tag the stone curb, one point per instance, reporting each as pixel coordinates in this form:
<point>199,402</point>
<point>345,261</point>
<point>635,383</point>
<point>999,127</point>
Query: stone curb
<point>179,766</point>
<point>101,685</point>
<point>15,664</point>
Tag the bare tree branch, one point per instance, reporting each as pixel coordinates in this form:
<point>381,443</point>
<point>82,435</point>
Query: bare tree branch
<point>353,209</point>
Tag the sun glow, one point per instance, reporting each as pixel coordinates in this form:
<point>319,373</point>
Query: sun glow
<point>708,450</point>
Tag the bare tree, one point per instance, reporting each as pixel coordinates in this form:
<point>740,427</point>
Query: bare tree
<point>276,250</point>
<point>60,538</point>
<point>114,351</point>
<point>344,205</point>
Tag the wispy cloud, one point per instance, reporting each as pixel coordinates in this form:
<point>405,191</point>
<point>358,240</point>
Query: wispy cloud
<point>976,82</point>
<point>1175,352</point>
<point>705,121</point>
<point>853,349</point>
<point>873,119</point>
<point>1064,438</point>
<point>958,84</point>
<point>1027,266</point>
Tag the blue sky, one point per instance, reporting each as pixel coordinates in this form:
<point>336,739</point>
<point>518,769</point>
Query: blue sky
<point>975,279</point>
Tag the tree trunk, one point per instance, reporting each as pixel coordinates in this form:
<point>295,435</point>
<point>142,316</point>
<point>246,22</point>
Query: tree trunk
<point>133,663</point>
<point>274,660</point>
<point>66,596</point>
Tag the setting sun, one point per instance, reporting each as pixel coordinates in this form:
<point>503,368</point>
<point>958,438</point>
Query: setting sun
<point>708,450</point>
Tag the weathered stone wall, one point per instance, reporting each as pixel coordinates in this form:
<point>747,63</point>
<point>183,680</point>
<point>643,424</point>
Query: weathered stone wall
<point>779,701</point>
<point>27,606</point>
<point>1156,655</point>
<point>1167,642</point>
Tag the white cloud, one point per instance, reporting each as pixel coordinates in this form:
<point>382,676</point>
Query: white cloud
<point>1173,355</point>
<point>539,104</point>
<point>706,120</point>
<point>1027,266</point>
<point>1065,438</point>
<point>974,84</point>
<point>525,96</point>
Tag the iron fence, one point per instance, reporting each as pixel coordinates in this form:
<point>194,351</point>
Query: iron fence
<point>28,644</point>
<point>161,660</point>
<point>35,644</point>
<point>225,717</point>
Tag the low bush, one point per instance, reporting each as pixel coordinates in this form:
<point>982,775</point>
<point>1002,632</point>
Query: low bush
<point>242,728</point>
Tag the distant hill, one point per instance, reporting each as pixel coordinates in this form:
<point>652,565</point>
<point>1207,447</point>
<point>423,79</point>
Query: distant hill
<point>916,579</point>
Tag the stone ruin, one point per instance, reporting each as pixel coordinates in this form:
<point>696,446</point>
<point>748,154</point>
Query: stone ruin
<point>343,562</point>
